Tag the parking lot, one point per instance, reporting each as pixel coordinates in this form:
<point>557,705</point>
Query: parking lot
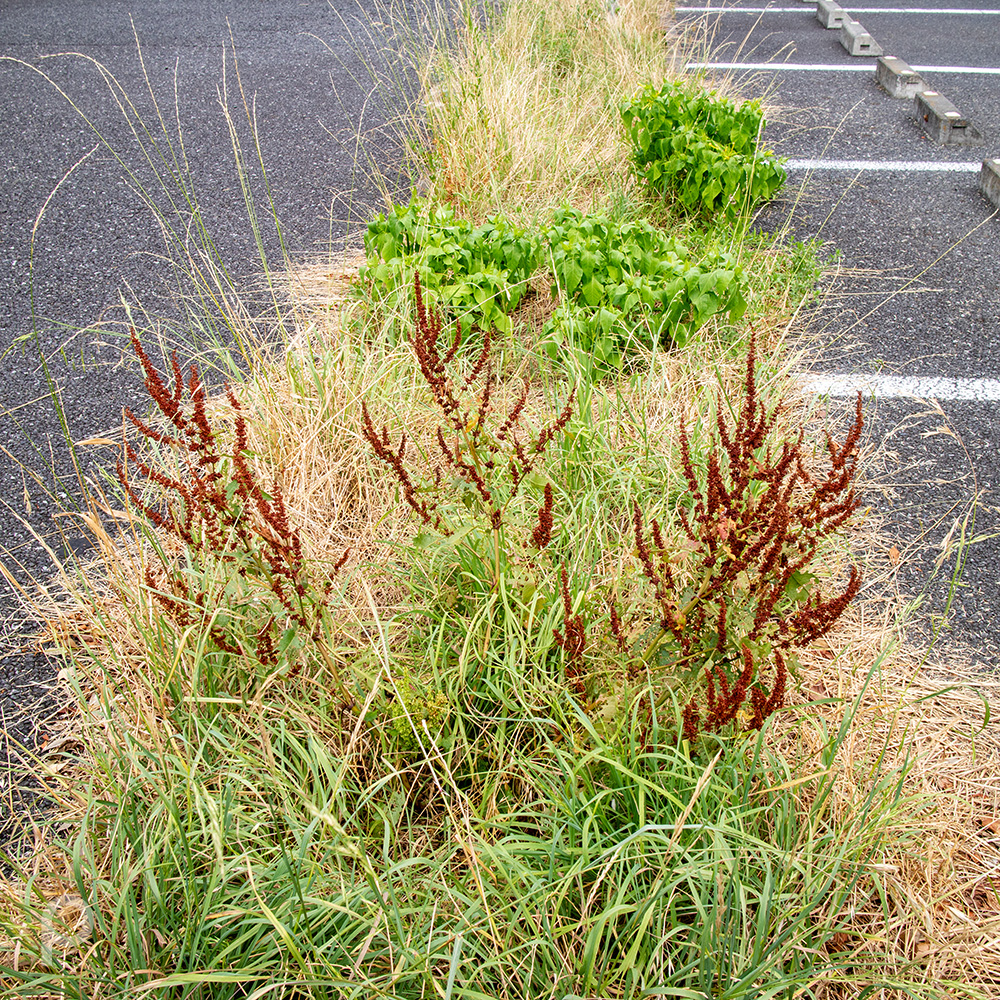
<point>912,316</point>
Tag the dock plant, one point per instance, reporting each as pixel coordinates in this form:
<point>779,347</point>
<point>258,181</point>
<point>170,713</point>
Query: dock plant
<point>729,605</point>
<point>478,494</point>
<point>746,596</point>
<point>226,560</point>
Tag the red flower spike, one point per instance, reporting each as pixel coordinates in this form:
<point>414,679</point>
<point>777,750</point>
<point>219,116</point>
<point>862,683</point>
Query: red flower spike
<point>239,526</point>
<point>757,515</point>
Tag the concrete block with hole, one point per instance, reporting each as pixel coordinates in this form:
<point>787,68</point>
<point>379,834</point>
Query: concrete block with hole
<point>897,79</point>
<point>857,41</point>
<point>989,180</point>
<point>829,14</point>
<point>943,122</point>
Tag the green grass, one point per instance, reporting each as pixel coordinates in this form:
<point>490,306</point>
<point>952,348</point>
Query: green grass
<point>255,848</point>
<point>421,790</point>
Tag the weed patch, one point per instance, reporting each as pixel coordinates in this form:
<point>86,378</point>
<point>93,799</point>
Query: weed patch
<point>478,274</point>
<point>701,149</point>
<point>618,287</point>
<point>428,660</point>
<point>630,285</point>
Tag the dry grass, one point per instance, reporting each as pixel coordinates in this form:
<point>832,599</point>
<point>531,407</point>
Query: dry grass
<point>526,117</point>
<point>932,720</point>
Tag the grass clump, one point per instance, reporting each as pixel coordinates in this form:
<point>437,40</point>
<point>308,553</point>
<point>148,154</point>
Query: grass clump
<point>521,105</point>
<point>462,780</point>
<point>419,662</point>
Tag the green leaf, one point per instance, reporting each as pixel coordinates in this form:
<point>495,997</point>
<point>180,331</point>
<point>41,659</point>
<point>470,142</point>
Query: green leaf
<point>287,638</point>
<point>800,585</point>
<point>737,303</point>
<point>571,273</point>
<point>607,319</point>
<point>424,540</point>
<point>593,292</point>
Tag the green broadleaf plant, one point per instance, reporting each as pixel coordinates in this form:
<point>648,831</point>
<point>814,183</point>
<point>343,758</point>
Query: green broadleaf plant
<point>619,286</point>
<point>701,150</point>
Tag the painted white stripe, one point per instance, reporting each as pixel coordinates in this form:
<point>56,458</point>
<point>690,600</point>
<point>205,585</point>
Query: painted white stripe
<point>985,390</point>
<point>850,10</point>
<point>986,70</point>
<point>815,67</point>
<point>910,166</point>
<point>838,67</point>
<point>918,10</point>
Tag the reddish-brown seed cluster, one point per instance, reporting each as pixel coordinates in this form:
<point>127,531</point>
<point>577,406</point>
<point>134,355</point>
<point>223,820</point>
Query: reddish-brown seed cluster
<point>723,701</point>
<point>542,534</point>
<point>658,572</point>
<point>434,366</point>
<point>481,449</point>
<point>772,534</point>
<point>234,521</point>
<point>721,708</point>
<point>396,459</point>
<point>763,703</point>
<point>757,519</point>
<point>617,629</point>
<point>691,721</point>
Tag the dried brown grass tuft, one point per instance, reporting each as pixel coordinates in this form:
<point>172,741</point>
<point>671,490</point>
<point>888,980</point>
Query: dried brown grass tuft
<point>931,720</point>
<point>526,116</point>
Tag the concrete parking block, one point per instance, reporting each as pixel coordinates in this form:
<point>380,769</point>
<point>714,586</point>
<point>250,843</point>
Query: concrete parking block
<point>896,78</point>
<point>830,14</point>
<point>943,122</point>
<point>857,41</point>
<point>989,180</point>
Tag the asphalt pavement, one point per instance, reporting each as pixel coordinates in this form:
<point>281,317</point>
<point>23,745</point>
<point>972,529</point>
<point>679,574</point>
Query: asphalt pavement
<point>305,67</point>
<point>917,296</point>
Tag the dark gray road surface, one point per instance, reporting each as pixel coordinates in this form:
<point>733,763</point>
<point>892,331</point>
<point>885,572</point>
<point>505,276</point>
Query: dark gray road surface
<point>305,62</point>
<point>891,227</point>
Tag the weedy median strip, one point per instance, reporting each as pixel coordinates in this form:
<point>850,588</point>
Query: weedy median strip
<point>435,661</point>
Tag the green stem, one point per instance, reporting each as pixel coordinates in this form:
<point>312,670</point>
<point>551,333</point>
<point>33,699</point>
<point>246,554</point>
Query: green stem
<point>654,646</point>
<point>496,557</point>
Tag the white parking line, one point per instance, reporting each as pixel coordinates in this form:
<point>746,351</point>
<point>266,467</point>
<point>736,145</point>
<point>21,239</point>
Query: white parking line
<point>984,390</point>
<point>850,10</point>
<point>838,67</point>
<point>910,166</point>
<point>816,67</point>
<point>990,70</point>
